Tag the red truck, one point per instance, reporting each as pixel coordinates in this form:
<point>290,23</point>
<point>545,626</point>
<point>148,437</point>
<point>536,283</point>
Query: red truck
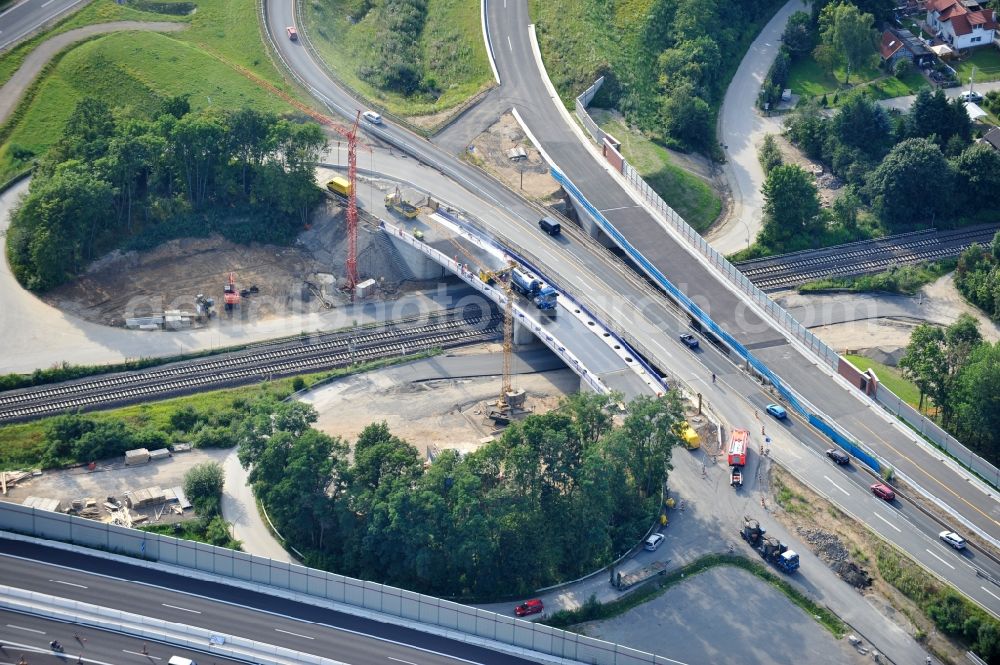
<point>738,443</point>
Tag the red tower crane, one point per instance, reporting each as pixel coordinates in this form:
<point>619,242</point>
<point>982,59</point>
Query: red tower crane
<point>352,199</point>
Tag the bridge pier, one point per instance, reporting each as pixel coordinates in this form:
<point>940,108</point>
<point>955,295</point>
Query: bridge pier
<point>413,262</point>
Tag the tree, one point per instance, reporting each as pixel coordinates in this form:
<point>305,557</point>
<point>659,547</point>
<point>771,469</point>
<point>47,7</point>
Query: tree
<point>978,400</point>
<point>862,125</point>
<point>807,129</point>
<point>960,339</point>
<point>846,207</point>
<point>924,361</point>
<point>798,35</point>
<point>769,154</point>
<point>203,487</point>
<point>933,116</point>
<point>846,36</point>
<point>791,203</point>
<point>688,117</point>
<point>977,170</point>
<point>904,189</point>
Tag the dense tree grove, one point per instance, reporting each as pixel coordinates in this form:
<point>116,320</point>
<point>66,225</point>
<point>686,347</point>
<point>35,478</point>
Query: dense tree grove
<point>978,277</point>
<point>898,166</point>
<point>115,176</point>
<point>961,374</point>
<point>398,24</point>
<point>556,496</point>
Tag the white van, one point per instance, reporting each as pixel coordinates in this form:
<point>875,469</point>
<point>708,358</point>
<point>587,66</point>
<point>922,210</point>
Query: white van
<point>180,660</point>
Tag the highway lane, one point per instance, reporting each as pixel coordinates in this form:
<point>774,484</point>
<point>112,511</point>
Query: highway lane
<point>29,635</point>
<point>26,16</point>
<point>231,610</point>
<point>508,24</point>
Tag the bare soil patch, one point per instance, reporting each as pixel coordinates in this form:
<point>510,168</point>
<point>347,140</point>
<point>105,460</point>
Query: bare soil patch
<point>830,186</point>
<point>298,279</point>
<point>528,175</point>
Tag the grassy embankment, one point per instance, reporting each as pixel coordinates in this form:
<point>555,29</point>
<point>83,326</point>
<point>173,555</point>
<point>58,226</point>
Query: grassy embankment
<point>891,377</point>
<point>904,279</point>
<point>451,53</point>
<point>140,69</point>
<point>692,197</point>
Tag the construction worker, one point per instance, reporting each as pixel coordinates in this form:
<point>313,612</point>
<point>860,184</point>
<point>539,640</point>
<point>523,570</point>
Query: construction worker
<point>713,377</point>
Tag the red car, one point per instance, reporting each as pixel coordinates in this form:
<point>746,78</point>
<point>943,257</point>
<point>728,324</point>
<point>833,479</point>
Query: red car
<point>883,491</point>
<point>292,33</point>
<point>530,607</point>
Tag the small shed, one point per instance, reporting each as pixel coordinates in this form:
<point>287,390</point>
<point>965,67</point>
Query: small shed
<point>181,448</point>
<point>975,112</point>
<point>136,457</point>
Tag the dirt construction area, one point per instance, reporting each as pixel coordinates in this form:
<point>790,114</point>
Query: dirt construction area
<point>113,478</point>
<point>300,279</point>
<point>527,174</point>
<point>436,404</point>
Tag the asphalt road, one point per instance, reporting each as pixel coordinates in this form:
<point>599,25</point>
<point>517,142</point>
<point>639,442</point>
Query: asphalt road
<point>29,636</point>
<point>28,15</point>
<point>889,439</point>
<point>231,610</point>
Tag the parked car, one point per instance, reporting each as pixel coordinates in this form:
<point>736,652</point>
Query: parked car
<point>777,411</point>
<point>971,96</point>
<point>653,542</point>
<point>952,539</point>
<point>689,341</point>
<point>293,34</point>
<point>838,456</point>
<point>529,607</point>
<point>883,491</point>
<point>372,117</point>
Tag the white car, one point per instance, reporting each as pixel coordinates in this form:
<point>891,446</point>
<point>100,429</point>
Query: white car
<point>654,542</point>
<point>952,539</point>
<point>372,117</point>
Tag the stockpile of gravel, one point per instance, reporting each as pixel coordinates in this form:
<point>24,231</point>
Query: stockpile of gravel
<point>834,553</point>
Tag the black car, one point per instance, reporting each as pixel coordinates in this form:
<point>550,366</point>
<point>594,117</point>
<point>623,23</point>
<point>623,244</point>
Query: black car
<point>689,341</point>
<point>838,456</point>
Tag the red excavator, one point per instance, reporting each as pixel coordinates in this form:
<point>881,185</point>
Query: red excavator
<point>231,295</point>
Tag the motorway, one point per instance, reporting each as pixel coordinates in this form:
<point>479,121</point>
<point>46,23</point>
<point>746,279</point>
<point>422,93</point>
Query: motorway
<point>29,636</point>
<point>230,610</point>
<point>509,25</point>
<point>28,15</point>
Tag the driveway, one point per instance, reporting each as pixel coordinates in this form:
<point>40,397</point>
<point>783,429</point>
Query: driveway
<point>741,130</point>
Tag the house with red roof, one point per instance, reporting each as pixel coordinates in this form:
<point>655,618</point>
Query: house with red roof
<point>963,24</point>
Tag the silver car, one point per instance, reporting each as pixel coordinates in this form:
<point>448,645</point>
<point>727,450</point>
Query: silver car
<point>952,539</point>
<point>654,542</point>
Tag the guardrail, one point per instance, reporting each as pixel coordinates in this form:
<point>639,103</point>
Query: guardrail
<point>303,584</point>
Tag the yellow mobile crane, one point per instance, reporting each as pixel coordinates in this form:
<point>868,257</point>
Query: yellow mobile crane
<point>501,414</point>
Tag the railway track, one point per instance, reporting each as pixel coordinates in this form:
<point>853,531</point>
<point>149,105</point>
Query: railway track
<point>264,361</point>
<point>862,258</point>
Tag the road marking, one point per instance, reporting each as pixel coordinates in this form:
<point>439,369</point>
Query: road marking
<point>288,632</point>
<point>509,45</point>
<point>940,559</point>
<point>182,609</point>
<point>46,4</point>
<point>139,653</point>
<point>990,592</point>
<point>846,493</point>
<point>888,522</point>
<point>69,584</point>
<point>30,630</point>
<point>400,660</point>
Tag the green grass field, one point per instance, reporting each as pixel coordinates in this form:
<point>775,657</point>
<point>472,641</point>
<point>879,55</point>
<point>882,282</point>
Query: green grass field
<point>891,377</point>
<point>986,60</point>
<point>451,48</point>
<point>137,69</point>
<point>689,195</point>
<point>807,78</point>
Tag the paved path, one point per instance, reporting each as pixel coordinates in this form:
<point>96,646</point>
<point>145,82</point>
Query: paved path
<point>904,103</point>
<point>10,93</point>
<point>741,129</point>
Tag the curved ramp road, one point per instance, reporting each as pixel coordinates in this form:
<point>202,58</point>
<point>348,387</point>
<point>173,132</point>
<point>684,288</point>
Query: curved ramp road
<point>10,93</point>
<point>509,28</point>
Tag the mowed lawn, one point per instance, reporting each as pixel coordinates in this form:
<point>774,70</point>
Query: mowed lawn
<point>451,48</point>
<point>688,194</point>
<point>986,60</point>
<point>808,78</point>
<point>137,69</point>
<point>891,377</point>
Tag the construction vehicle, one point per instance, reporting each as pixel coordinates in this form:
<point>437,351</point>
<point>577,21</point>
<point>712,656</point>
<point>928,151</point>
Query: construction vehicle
<point>543,296</point>
<point>736,455</point>
<point>230,294</point>
<point>339,186</point>
<point>770,549</point>
<point>396,202</point>
<point>203,307</point>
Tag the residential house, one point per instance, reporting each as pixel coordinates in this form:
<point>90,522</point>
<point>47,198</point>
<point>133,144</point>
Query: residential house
<point>898,44</point>
<point>992,138</point>
<point>963,24</point>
